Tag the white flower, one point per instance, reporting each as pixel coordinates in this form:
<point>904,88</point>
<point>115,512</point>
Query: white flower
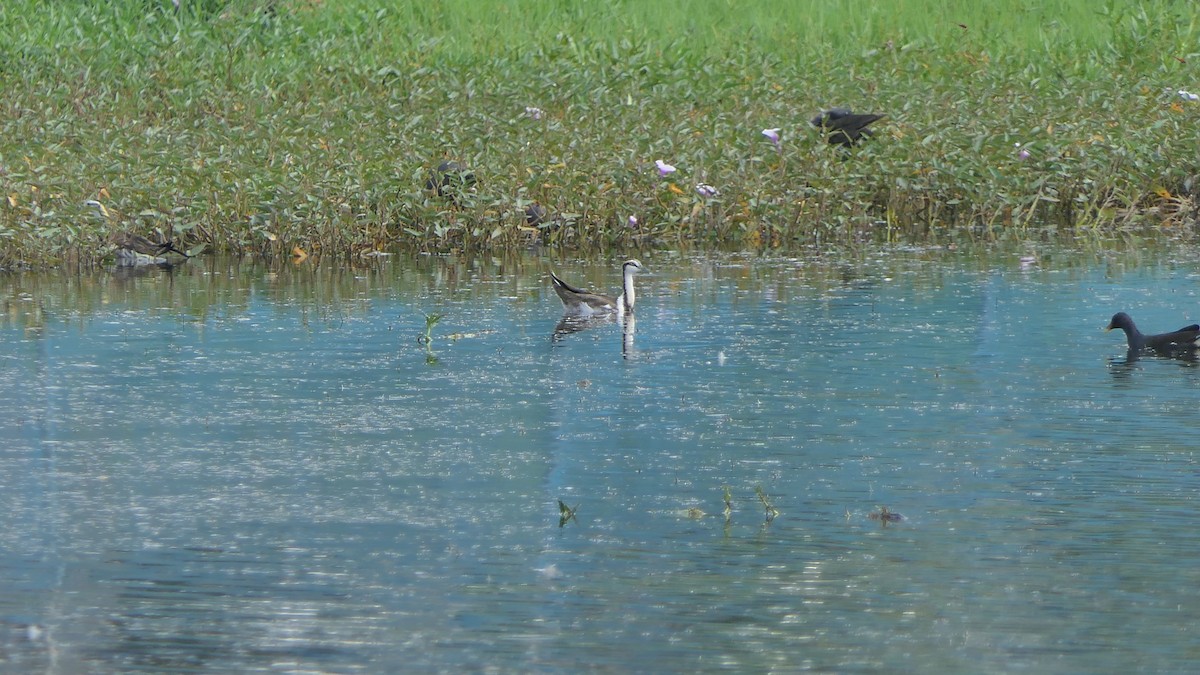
<point>535,113</point>
<point>1188,96</point>
<point>631,222</point>
<point>706,190</point>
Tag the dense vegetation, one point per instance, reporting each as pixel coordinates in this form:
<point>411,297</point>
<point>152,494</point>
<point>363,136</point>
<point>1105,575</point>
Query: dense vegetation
<point>259,126</point>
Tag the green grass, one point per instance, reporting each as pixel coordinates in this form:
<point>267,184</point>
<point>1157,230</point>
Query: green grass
<point>257,127</point>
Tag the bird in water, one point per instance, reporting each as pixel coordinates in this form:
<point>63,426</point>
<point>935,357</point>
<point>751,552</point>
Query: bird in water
<point>133,248</point>
<point>130,241</point>
<point>844,126</point>
<point>579,302</point>
<point>1180,340</point>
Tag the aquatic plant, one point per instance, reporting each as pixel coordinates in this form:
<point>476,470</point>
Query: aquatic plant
<point>566,513</point>
<point>728,503</point>
<point>431,320</point>
<point>259,127</point>
<point>769,510</point>
<point>426,338</point>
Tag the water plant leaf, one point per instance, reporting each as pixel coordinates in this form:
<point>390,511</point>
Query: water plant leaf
<point>566,513</point>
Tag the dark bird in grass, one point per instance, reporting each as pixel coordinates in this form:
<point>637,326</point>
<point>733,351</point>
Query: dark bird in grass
<point>450,179</point>
<point>1182,340</point>
<point>845,127</point>
<point>535,214</point>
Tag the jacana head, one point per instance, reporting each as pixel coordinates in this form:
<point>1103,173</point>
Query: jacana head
<point>632,266</point>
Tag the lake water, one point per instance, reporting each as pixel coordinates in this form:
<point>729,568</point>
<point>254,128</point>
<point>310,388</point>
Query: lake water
<point>237,467</point>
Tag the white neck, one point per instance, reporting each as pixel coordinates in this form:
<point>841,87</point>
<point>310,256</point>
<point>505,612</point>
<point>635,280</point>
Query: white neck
<point>625,302</point>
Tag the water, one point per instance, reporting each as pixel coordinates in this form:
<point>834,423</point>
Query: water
<point>237,468</point>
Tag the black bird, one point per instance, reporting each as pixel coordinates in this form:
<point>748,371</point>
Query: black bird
<point>535,214</point>
<point>1183,339</point>
<point>844,126</point>
<point>450,179</point>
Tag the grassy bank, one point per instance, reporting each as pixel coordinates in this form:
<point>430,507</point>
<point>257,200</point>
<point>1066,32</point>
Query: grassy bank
<point>260,126</point>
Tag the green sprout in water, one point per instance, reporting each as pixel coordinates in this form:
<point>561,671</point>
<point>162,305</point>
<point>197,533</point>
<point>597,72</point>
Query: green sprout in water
<point>728,504</point>
<point>431,320</point>
<point>566,513</point>
<point>770,510</point>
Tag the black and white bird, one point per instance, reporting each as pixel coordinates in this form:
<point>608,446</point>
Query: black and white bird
<point>579,302</point>
<point>844,126</point>
<point>133,248</point>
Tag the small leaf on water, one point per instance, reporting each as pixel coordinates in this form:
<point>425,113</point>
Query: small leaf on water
<point>298,253</point>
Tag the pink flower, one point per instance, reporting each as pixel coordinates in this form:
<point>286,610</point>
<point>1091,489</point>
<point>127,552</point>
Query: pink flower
<point>773,136</point>
<point>631,221</point>
<point>706,190</point>
<point>664,169</point>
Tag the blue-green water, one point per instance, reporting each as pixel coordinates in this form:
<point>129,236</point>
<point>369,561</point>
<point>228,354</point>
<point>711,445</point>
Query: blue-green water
<point>236,468</point>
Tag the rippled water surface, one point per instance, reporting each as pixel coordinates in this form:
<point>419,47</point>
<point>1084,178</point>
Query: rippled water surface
<point>231,467</point>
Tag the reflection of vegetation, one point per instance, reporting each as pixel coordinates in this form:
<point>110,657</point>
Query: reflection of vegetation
<point>216,288</point>
<point>566,513</point>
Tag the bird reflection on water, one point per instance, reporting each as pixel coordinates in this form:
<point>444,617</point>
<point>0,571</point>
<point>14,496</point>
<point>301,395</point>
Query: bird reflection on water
<point>570,324</point>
